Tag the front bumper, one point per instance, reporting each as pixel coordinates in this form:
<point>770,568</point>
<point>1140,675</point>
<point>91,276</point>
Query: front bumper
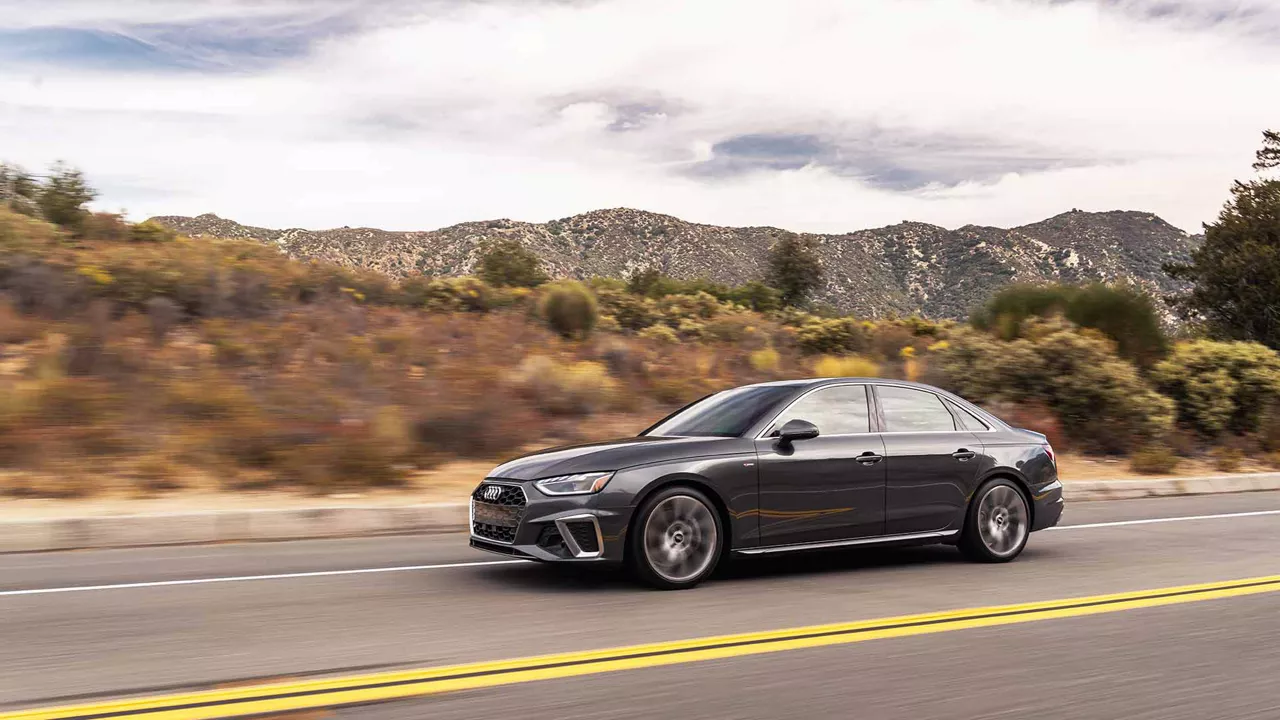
<point>545,528</point>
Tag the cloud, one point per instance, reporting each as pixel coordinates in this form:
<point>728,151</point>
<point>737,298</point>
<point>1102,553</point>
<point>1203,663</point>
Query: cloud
<point>825,115</point>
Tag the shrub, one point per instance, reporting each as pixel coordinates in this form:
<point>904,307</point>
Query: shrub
<point>1220,387</point>
<point>1101,400</point>
<point>699,305</point>
<point>838,335</point>
<point>151,232</point>
<point>660,333</point>
<point>1269,427</point>
<point>105,227</point>
<point>1226,459</point>
<point>756,296</point>
<point>848,366</point>
<point>632,312</point>
<point>458,294</point>
<point>765,360</point>
<point>579,388</point>
<point>507,263</point>
<point>1154,460</point>
<point>569,308</point>
<point>1125,314</point>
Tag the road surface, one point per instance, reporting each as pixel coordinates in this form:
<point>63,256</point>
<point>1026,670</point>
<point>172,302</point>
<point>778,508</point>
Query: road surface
<point>83,628</point>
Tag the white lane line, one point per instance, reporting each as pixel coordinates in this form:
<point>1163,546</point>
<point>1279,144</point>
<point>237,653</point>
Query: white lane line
<point>247,578</point>
<point>1151,521</point>
<point>445,566</point>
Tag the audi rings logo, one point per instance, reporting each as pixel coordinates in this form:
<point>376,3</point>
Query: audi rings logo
<point>493,492</point>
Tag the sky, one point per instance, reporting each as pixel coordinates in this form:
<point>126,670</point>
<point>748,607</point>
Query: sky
<point>817,115</point>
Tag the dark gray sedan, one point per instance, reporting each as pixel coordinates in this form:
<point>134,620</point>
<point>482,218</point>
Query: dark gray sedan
<point>776,468</point>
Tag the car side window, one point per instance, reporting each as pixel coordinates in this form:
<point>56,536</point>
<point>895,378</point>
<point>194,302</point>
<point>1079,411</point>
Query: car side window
<point>836,410</point>
<point>966,419</point>
<point>908,410</point>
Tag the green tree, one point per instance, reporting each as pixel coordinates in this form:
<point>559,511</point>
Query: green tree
<point>794,268</point>
<point>1269,155</point>
<point>1235,273</point>
<point>507,263</point>
<point>18,189</point>
<point>63,196</point>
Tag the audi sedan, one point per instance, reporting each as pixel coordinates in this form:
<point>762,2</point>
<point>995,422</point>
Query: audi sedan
<point>777,468</point>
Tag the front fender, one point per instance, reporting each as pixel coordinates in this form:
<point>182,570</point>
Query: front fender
<point>730,481</point>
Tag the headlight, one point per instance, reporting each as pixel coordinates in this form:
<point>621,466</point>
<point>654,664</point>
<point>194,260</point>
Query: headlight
<point>581,484</point>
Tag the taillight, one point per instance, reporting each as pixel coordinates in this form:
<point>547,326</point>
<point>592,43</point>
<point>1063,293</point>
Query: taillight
<point>1052,456</point>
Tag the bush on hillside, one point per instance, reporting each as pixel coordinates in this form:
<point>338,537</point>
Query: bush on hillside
<point>507,263</point>
<point>1126,315</point>
<point>756,296</point>
<point>569,308</point>
<point>1101,400</point>
<point>632,312</point>
<point>464,294</point>
<point>1220,387</point>
<point>837,335</point>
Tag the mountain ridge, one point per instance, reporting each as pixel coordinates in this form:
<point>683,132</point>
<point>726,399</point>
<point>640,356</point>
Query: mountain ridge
<point>909,267</point>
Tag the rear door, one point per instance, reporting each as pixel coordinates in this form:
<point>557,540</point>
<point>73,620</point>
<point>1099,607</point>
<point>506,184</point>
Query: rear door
<point>931,461</point>
<point>827,488</point>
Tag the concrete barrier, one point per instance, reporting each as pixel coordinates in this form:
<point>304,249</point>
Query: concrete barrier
<point>329,522</point>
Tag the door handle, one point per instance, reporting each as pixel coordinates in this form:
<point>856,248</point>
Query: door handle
<point>962,455</point>
<point>869,458</point>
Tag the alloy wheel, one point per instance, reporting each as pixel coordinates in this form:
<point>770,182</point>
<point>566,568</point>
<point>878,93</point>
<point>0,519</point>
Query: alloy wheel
<point>1002,520</point>
<point>680,538</point>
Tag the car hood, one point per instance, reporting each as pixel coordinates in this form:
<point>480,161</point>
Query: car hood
<point>615,455</point>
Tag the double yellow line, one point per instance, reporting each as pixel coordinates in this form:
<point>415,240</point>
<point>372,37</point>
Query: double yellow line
<point>311,694</point>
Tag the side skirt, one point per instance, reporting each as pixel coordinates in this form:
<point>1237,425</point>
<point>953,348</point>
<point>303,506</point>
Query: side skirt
<point>939,536</point>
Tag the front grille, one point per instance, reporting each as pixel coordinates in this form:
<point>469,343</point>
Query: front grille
<point>494,532</point>
<point>508,495</point>
<point>584,534</point>
<point>496,511</point>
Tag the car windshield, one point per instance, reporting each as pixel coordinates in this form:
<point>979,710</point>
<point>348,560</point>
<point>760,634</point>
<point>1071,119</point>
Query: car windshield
<point>724,414</point>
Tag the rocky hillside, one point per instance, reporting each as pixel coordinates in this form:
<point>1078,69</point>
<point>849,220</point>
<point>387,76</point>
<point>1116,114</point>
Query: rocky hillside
<point>905,268</point>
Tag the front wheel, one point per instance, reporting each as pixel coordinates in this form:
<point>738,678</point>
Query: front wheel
<point>997,524</point>
<point>676,540</point>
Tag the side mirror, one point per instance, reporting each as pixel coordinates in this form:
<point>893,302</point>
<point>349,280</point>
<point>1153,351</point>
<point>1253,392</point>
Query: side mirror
<point>798,430</point>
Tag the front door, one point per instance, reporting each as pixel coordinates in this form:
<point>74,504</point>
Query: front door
<point>827,488</point>
<point>931,464</point>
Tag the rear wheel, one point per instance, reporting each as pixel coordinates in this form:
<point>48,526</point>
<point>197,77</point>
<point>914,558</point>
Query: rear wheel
<point>676,540</point>
<point>998,523</point>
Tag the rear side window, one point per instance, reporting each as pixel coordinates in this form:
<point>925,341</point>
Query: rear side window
<point>967,420</point>
<point>908,410</point>
<point>836,410</point>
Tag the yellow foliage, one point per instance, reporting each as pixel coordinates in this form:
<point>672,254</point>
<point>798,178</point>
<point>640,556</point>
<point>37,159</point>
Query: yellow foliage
<point>578,388</point>
<point>765,360</point>
<point>96,274</point>
<point>847,366</point>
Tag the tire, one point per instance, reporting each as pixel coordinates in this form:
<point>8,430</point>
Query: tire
<point>997,524</point>
<point>676,539</point>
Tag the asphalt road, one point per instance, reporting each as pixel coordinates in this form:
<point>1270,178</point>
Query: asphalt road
<point>76,627</point>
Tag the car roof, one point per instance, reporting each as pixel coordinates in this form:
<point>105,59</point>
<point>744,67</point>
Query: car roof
<point>814,382</point>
